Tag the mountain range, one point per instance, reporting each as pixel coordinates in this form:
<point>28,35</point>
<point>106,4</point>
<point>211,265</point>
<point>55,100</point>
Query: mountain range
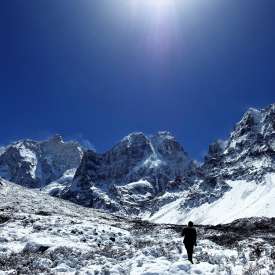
<point>153,178</point>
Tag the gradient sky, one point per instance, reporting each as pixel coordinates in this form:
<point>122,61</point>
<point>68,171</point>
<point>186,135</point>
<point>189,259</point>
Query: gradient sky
<point>99,69</point>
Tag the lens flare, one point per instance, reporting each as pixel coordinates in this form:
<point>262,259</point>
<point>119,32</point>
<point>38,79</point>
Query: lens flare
<point>160,4</point>
<point>153,6</point>
<point>161,21</point>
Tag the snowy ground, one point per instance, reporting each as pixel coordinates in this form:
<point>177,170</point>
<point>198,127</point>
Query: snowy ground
<point>40,234</point>
<point>245,199</point>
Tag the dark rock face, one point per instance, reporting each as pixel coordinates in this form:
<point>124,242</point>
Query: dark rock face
<point>151,161</point>
<point>135,157</point>
<point>250,151</point>
<point>209,190</point>
<point>215,152</point>
<point>35,164</point>
<point>144,173</point>
<point>117,163</point>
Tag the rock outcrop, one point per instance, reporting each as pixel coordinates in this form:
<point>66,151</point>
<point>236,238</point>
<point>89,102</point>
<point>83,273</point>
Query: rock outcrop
<point>36,164</point>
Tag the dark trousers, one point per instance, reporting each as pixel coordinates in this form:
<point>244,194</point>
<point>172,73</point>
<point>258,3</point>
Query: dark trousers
<point>190,250</point>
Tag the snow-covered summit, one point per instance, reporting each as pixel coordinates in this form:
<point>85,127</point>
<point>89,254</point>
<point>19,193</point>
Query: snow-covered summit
<point>235,181</point>
<point>37,163</point>
<point>56,139</point>
<point>102,179</point>
<point>141,174</point>
<point>249,151</point>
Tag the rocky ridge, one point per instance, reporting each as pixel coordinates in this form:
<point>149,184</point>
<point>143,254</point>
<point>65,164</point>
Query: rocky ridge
<point>36,164</point>
<point>250,150</point>
<point>141,174</point>
<point>127,177</point>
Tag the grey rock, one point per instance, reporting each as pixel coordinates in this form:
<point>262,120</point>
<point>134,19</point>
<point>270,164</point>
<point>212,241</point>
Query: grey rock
<point>249,152</point>
<point>36,164</point>
<point>105,180</point>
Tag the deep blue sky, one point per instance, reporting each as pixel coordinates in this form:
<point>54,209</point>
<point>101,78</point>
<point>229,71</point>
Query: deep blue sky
<point>99,69</point>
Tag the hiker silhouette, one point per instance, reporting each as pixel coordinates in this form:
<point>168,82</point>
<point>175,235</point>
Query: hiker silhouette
<point>190,240</point>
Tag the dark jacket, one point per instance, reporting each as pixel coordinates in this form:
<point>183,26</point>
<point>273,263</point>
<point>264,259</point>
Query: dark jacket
<point>190,236</point>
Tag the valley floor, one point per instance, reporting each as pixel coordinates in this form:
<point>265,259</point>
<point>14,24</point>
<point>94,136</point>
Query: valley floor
<point>40,234</point>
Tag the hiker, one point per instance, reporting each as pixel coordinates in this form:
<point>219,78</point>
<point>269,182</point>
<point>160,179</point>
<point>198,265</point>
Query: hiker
<point>190,239</point>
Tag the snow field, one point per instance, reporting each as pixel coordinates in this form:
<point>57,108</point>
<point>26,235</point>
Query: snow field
<point>245,199</point>
<point>46,235</point>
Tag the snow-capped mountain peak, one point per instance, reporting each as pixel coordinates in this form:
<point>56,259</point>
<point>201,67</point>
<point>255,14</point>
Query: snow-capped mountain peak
<point>103,179</point>
<point>236,179</point>
<point>141,174</point>
<point>249,151</point>
<point>37,163</point>
<point>56,139</point>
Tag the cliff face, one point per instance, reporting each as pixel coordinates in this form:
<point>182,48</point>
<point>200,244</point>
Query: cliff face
<point>36,164</point>
<point>249,152</point>
<point>134,171</point>
<point>142,174</point>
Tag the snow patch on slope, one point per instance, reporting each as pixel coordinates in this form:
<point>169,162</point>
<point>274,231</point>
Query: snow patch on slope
<point>56,187</point>
<point>46,235</point>
<point>30,157</point>
<point>136,191</point>
<point>245,199</point>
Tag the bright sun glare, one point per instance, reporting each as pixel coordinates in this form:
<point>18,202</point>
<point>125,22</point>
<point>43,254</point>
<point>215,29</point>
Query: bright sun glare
<point>160,17</point>
<point>160,3</point>
<point>154,5</point>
